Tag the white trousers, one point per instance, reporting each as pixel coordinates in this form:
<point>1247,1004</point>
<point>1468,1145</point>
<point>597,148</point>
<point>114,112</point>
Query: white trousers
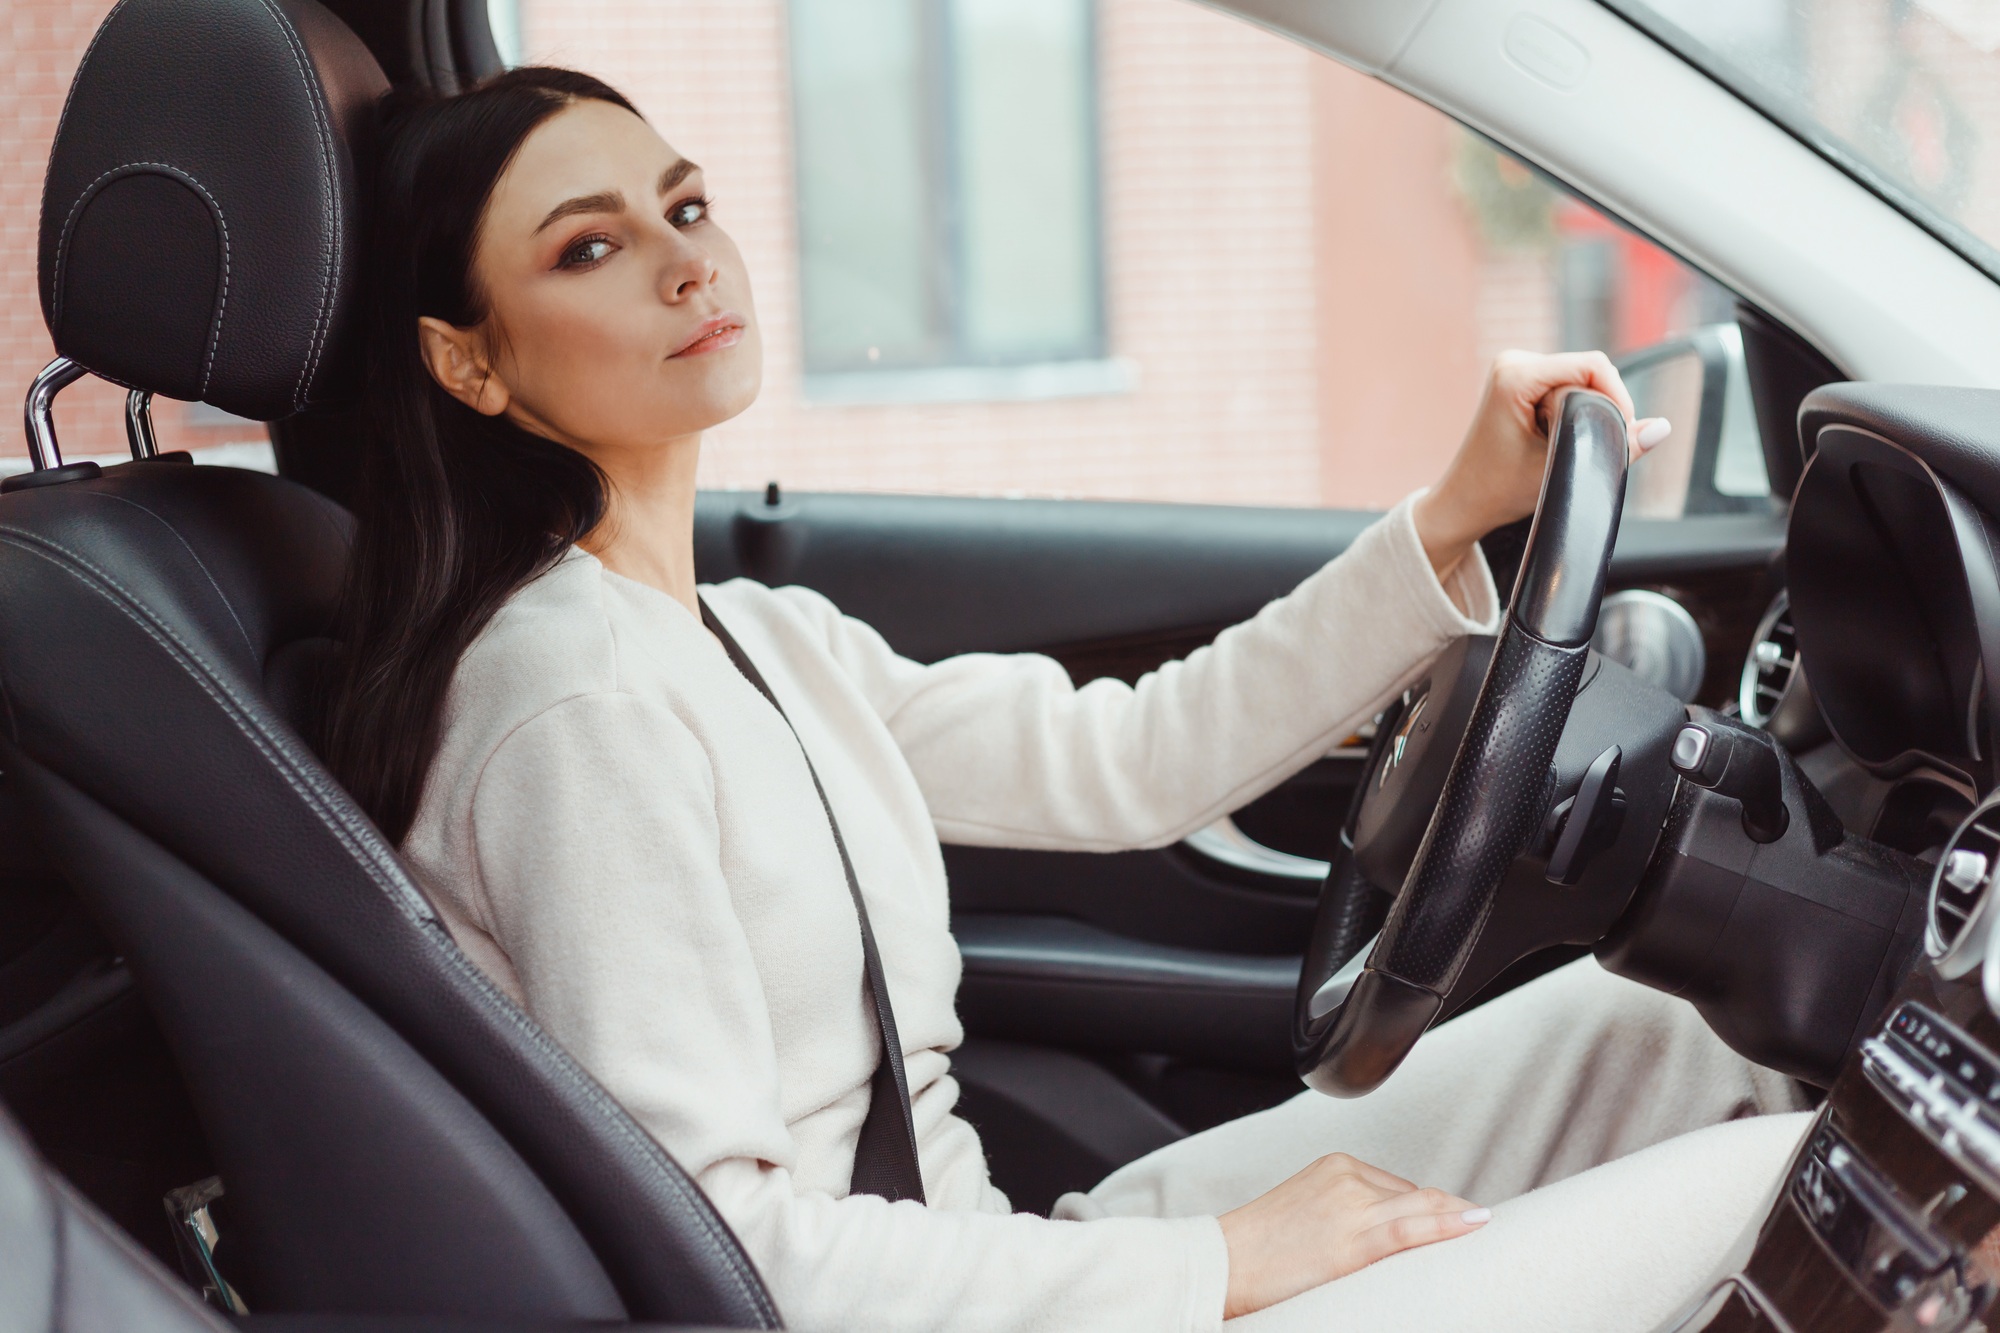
<point>1622,1147</point>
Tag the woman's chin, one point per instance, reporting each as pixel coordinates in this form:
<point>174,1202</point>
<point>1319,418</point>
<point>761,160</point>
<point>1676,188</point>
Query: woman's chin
<point>729,383</point>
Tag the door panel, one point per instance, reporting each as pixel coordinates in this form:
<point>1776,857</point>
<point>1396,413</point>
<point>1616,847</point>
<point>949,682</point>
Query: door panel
<point>1054,978</point>
<point>1096,583</point>
<point>1108,588</point>
<point>1114,589</point>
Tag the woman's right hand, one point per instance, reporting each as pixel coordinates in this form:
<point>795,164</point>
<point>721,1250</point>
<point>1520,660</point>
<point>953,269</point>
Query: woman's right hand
<point>1334,1217</point>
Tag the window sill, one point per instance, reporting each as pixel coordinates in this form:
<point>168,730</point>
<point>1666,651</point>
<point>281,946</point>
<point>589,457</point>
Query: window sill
<point>972,384</point>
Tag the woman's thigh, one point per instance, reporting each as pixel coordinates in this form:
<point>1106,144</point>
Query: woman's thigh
<point>1571,1070</point>
<point>1620,1247</point>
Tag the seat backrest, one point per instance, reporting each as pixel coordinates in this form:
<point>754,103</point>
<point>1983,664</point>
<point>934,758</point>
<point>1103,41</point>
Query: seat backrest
<point>394,1135</point>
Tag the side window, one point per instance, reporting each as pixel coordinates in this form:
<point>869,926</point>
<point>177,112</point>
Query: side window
<point>1671,330</point>
<point>1714,463</point>
<point>1129,249</point>
<point>946,181</point>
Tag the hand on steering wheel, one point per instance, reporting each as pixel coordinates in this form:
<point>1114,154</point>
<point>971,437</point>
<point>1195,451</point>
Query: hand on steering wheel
<point>1496,475</point>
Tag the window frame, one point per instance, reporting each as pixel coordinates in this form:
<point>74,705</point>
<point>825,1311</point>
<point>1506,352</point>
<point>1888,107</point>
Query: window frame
<point>1739,84</point>
<point>957,375</point>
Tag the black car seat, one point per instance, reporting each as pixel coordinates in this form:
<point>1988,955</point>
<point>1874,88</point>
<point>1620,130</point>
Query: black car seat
<point>394,1136</point>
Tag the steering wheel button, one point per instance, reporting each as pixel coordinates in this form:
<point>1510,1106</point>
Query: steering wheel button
<point>1690,748</point>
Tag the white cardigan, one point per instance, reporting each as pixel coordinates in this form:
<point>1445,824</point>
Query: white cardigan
<point>620,830</point>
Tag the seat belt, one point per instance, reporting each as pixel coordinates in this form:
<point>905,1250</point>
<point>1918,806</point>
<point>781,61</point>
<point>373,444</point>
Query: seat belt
<point>885,1154</point>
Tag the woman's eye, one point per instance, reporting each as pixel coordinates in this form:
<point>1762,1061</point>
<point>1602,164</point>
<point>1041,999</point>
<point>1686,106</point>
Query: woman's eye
<point>688,212</point>
<point>585,252</point>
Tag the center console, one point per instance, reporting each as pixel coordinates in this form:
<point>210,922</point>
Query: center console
<point>1889,1214</point>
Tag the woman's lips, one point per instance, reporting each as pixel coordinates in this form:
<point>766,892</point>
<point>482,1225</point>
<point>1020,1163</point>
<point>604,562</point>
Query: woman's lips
<point>724,330</point>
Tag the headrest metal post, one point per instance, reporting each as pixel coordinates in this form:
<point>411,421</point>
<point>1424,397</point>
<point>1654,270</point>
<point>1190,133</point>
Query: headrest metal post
<point>57,375</point>
<point>139,424</point>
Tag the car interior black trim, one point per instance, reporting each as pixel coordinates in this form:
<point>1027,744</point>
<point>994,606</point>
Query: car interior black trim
<point>1887,548</point>
<point>406,1200</point>
<point>1783,368</point>
<point>1027,976</point>
<point>1703,917</point>
<point>1052,1121</point>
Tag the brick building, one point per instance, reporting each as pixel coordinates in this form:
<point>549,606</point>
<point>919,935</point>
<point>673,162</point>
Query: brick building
<point>1303,271</point>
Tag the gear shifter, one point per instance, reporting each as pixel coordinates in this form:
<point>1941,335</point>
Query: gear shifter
<point>1732,761</point>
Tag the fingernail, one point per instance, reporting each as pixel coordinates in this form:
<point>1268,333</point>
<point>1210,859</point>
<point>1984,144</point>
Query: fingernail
<point>1652,431</point>
<point>1475,1217</point>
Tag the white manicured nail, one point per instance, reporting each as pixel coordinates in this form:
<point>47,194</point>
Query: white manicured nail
<point>1652,430</point>
<point>1473,1217</point>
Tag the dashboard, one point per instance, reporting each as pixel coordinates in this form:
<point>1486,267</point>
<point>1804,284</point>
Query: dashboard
<point>1888,1216</point>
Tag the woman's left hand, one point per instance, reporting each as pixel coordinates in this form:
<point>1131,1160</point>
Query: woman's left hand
<point>1496,476</point>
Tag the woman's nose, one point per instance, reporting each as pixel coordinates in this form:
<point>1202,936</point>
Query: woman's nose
<point>688,271</point>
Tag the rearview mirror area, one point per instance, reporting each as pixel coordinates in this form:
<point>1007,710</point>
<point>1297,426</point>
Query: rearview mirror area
<point>1713,463</point>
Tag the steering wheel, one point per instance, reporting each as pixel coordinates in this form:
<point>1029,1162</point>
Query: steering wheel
<point>1357,1018</point>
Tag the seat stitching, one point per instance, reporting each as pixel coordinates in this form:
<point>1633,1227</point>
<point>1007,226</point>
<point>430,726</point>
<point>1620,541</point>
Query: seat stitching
<point>175,173</point>
<point>329,216</point>
<point>405,896</point>
<point>413,904</point>
<point>199,564</point>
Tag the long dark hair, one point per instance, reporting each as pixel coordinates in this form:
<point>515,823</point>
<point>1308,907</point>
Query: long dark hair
<point>457,510</point>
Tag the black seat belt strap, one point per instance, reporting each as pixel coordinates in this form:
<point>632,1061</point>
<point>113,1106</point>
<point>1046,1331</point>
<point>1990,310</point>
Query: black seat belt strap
<point>885,1155</point>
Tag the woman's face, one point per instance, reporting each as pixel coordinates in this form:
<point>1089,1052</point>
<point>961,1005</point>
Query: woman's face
<point>619,314</point>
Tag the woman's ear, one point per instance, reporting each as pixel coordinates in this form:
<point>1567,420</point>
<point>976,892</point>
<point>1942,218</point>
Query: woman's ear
<point>458,362</point>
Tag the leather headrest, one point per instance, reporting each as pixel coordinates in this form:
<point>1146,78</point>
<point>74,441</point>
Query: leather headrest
<point>200,224</point>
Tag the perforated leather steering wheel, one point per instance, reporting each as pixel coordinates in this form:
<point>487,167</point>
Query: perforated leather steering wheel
<point>1353,1026</point>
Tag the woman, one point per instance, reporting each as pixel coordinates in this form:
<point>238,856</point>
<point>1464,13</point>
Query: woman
<point>631,840</point>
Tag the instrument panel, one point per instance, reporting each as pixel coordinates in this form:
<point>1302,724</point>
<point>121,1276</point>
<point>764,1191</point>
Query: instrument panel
<point>1889,1213</point>
<point>1895,599</point>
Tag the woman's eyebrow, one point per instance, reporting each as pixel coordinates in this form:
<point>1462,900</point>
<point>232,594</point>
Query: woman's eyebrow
<point>604,201</point>
<point>611,201</point>
<point>677,173</point>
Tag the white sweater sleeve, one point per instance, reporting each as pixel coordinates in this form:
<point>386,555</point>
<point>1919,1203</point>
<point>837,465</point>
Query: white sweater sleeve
<point>1009,753</point>
<point>589,880</point>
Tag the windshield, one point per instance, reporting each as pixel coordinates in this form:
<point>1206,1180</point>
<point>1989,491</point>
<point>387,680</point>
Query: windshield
<point>1904,94</point>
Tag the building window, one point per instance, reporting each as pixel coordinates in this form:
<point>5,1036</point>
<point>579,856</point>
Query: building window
<point>947,189</point>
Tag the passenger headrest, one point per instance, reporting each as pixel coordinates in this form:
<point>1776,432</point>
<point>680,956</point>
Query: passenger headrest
<point>200,231</point>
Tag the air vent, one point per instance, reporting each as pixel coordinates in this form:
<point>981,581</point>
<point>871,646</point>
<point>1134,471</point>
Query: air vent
<point>1964,874</point>
<point>1767,671</point>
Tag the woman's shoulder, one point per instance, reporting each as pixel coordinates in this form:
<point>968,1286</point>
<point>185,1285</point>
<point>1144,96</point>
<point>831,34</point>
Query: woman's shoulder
<point>553,638</point>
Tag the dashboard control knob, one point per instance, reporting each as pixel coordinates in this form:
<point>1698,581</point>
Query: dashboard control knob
<point>1965,869</point>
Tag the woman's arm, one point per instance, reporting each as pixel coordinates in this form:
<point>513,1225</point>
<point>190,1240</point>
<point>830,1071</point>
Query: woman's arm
<point>1008,753</point>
